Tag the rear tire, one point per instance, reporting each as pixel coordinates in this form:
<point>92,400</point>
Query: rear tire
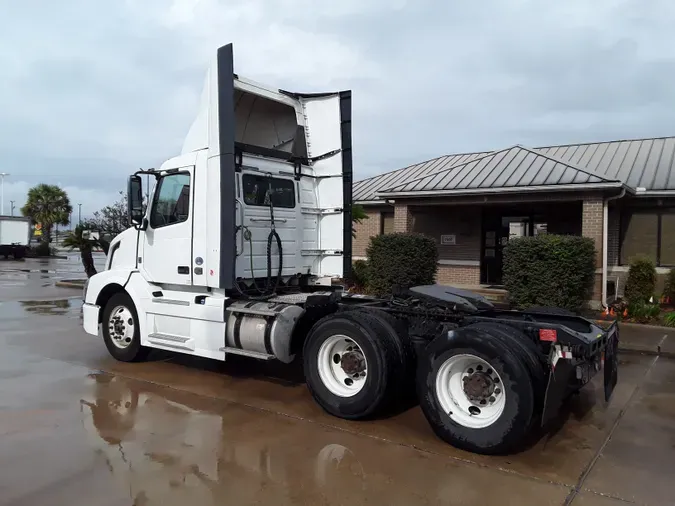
<point>355,363</point>
<point>121,331</point>
<point>527,351</point>
<point>498,425</point>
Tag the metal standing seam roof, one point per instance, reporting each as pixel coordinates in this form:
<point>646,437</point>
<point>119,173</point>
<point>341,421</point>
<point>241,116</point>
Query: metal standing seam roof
<point>511,168</point>
<point>641,163</point>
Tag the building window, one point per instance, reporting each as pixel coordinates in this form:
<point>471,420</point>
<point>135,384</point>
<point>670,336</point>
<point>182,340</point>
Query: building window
<point>257,188</point>
<point>649,233</point>
<point>387,223</point>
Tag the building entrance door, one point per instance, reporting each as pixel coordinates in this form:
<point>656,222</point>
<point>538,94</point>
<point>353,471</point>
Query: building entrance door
<point>499,227</point>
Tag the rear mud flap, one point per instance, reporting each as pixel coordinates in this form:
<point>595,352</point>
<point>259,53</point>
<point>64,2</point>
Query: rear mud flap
<point>611,364</point>
<point>563,370</point>
<point>558,382</point>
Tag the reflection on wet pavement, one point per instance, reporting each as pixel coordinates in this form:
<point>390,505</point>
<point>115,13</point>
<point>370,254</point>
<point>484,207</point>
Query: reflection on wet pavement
<point>144,444</point>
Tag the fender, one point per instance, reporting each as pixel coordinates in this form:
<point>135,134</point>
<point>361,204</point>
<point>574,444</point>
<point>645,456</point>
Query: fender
<point>102,285</point>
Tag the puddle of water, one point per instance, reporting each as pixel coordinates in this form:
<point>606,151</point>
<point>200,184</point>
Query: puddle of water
<point>51,307</point>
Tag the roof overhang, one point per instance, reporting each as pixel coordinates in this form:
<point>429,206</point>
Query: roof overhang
<point>655,193</point>
<point>524,190</point>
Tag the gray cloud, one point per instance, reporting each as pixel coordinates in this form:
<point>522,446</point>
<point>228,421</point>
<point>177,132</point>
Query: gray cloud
<point>92,90</point>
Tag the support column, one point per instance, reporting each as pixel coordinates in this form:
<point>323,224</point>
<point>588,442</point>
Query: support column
<point>592,227</point>
<point>403,220</point>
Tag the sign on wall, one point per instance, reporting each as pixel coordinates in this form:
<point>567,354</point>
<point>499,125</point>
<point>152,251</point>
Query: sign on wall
<point>449,240</point>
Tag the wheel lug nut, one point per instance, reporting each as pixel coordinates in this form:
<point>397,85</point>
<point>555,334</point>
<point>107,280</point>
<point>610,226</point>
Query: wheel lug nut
<point>498,391</point>
<point>489,371</point>
<point>492,399</point>
<point>479,367</point>
<point>470,371</point>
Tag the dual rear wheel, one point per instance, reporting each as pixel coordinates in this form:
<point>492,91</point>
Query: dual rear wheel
<point>476,385</point>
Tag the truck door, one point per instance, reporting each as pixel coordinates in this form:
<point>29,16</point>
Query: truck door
<point>166,251</point>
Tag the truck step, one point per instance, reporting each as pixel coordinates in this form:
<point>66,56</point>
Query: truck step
<point>246,353</point>
<point>168,337</point>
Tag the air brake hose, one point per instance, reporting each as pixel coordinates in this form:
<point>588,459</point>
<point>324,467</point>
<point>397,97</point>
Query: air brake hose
<point>266,293</point>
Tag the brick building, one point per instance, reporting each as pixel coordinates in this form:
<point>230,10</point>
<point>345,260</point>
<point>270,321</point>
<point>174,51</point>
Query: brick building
<point>620,193</point>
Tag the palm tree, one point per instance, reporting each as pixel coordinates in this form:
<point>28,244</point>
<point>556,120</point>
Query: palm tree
<point>48,205</point>
<point>79,239</point>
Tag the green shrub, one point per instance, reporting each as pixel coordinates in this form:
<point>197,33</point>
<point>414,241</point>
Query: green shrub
<point>669,319</point>
<point>670,285</point>
<point>641,280</point>
<point>42,249</point>
<point>549,270</point>
<point>643,312</point>
<point>359,275</point>
<point>400,259</point>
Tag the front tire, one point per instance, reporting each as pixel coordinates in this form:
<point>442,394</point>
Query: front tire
<point>354,363</point>
<point>121,331</point>
<point>475,392</point>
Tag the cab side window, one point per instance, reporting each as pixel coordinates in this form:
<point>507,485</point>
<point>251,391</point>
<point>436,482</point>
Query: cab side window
<point>257,191</point>
<point>172,201</point>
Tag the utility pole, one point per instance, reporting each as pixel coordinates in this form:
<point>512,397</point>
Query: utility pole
<point>79,216</point>
<point>2,192</point>
<point>11,207</point>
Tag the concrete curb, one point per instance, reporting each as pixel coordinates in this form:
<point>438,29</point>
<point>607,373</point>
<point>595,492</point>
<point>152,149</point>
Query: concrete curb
<point>71,283</point>
<point>630,350</point>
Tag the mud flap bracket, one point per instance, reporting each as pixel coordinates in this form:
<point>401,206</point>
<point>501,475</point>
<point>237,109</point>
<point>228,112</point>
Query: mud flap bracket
<point>558,382</point>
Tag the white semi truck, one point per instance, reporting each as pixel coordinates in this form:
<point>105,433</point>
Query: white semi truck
<point>15,232</point>
<point>236,252</point>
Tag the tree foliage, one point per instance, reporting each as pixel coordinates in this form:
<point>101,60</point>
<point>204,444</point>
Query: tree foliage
<point>79,239</point>
<point>549,270</point>
<point>48,205</point>
<point>109,221</point>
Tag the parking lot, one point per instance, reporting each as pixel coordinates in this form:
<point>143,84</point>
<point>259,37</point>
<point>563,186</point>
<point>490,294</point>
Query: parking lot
<point>78,428</point>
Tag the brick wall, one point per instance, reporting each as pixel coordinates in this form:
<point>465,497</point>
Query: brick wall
<point>458,275</point>
<point>591,226</point>
<point>403,218</point>
<point>365,230</point>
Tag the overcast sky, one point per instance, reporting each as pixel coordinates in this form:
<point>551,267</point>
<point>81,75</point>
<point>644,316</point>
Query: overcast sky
<point>91,90</point>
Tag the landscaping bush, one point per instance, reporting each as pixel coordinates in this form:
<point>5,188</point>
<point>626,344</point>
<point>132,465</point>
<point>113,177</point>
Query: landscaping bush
<point>359,276</point>
<point>669,319</point>
<point>641,280</point>
<point>42,249</point>
<point>670,286</point>
<point>549,270</point>
<point>643,312</point>
<point>404,260</point>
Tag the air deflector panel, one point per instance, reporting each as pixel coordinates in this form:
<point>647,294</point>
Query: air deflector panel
<point>226,134</point>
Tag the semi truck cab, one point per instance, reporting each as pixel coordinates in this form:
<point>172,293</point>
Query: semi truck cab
<point>257,201</point>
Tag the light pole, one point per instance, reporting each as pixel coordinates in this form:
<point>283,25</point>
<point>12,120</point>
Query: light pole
<point>79,214</point>
<point>2,191</point>
<point>11,207</point>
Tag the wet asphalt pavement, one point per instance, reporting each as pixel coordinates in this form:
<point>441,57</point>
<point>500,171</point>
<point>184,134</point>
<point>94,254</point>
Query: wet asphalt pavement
<point>78,428</point>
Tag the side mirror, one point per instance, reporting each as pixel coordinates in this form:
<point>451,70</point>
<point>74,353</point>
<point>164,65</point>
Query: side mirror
<point>135,200</point>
